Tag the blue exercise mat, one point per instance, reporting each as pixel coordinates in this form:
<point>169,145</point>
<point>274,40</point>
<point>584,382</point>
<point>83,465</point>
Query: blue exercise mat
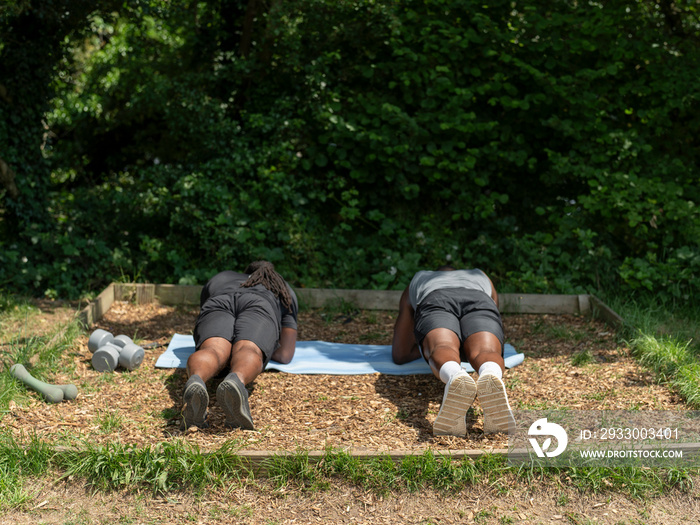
<point>321,357</point>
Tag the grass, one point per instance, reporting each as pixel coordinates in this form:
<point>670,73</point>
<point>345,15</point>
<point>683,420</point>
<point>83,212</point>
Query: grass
<point>41,355</point>
<point>664,335</point>
<point>582,357</point>
<point>166,468</point>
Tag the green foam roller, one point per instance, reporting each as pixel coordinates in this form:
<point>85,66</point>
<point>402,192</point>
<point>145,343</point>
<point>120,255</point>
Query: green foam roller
<point>51,393</point>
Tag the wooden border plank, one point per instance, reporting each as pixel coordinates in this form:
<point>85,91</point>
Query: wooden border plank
<point>96,309</point>
<point>140,293</point>
<point>364,299</point>
<point>539,303</point>
<point>603,311</point>
<point>178,294</point>
<point>174,294</point>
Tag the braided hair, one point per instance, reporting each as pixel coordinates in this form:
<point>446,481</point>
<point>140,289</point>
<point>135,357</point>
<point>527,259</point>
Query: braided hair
<point>263,272</point>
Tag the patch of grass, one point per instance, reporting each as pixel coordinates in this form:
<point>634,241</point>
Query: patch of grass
<point>168,468</point>
<point>295,468</point>
<point>562,499</point>
<point>535,404</point>
<point>169,413</point>
<point>17,464</point>
<point>161,468</point>
<point>597,396</point>
<point>109,421</point>
<point>41,355</point>
<point>663,334</point>
<point>482,516</point>
<point>338,310</point>
<point>371,317</point>
<point>558,331</point>
<point>582,357</point>
<point>673,362</point>
<point>371,336</point>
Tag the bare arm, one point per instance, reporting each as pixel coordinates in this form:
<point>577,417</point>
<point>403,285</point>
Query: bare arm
<point>494,294</point>
<point>285,351</point>
<point>404,347</point>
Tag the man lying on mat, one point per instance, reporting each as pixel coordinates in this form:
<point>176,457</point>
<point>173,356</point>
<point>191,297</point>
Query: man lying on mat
<point>449,316</point>
<point>245,320</point>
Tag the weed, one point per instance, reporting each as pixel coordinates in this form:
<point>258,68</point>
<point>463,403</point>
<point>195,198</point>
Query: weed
<point>109,421</point>
<point>582,357</point>
<point>371,318</point>
<point>169,413</point>
<point>482,516</point>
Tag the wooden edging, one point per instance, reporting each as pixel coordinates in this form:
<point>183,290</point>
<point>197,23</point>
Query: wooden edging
<point>260,461</point>
<point>173,294</point>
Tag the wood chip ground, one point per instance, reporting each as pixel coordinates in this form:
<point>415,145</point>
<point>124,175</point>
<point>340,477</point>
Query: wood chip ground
<point>313,412</point>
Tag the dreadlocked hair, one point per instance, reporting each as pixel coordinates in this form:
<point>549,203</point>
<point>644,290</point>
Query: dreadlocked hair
<point>263,272</point>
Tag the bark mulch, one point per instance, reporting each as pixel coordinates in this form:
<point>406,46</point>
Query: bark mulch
<point>312,412</point>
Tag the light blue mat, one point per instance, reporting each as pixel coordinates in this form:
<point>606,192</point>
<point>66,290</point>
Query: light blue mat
<point>321,357</point>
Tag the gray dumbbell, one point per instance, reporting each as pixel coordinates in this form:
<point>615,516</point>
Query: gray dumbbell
<point>98,339</point>
<point>122,340</point>
<point>131,356</point>
<point>106,358</point>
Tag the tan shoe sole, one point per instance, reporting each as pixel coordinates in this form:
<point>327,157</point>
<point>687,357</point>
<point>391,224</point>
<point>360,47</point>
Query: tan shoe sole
<point>498,417</point>
<point>459,396</point>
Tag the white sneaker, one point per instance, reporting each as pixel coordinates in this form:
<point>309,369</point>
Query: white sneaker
<point>498,416</point>
<point>459,396</point>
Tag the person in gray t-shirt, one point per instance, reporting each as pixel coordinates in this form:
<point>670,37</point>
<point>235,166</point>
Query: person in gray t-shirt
<point>245,320</point>
<point>449,316</point>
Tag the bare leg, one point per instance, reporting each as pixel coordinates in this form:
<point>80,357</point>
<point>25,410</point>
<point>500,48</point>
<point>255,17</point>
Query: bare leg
<point>482,347</point>
<point>440,346</point>
<point>246,361</point>
<point>213,355</point>
<point>243,359</point>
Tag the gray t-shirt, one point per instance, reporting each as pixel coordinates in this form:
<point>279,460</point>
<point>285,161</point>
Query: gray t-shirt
<point>426,281</point>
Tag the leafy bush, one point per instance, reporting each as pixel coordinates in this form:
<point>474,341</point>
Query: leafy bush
<point>353,143</point>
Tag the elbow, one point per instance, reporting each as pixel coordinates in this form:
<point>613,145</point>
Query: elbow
<point>398,359</point>
<point>283,356</point>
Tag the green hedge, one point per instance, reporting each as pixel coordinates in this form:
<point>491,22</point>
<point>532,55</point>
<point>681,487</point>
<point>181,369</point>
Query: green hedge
<point>553,144</point>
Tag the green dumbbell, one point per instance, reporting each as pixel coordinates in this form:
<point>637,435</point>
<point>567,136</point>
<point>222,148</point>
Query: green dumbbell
<point>52,393</point>
<point>70,392</point>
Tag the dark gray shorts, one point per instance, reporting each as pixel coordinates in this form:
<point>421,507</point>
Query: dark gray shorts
<point>463,311</point>
<point>238,316</point>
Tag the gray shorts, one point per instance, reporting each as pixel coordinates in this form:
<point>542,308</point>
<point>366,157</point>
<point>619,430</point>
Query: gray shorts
<point>463,311</point>
<point>238,316</point>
